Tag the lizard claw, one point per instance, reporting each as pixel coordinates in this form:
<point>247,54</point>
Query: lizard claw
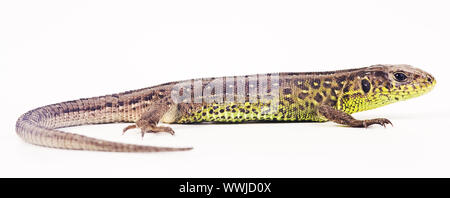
<point>381,121</point>
<point>389,122</point>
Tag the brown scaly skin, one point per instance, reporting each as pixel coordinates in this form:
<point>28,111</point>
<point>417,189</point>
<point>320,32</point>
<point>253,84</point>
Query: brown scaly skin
<point>315,96</point>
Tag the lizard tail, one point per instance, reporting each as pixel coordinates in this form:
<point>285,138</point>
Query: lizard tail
<point>39,126</point>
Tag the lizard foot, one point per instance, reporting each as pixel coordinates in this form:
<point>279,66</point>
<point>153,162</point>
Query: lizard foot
<point>150,129</point>
<point>367,123</point>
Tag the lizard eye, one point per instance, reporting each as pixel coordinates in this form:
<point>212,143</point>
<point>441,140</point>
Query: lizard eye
<point>400,76</point>
<point>365,84</point>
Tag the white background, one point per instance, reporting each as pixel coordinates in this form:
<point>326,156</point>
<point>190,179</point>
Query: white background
<point>53,51</point>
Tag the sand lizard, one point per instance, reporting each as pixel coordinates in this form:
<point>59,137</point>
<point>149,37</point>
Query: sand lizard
<point>313,96</point>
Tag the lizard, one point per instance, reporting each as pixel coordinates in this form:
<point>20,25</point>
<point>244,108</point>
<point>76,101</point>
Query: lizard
<point>275,97</point>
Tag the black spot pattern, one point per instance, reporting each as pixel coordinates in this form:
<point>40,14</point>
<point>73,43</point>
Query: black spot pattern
<point>300,83</point>
<point>365,84</point>
<point>340,80</point>
<point>325,84</point>
<point>346,88</point>
<point>388,86</point>
<point>351,77</point>
<point>380,74</point>
<point>318,98</point>
<point>134,101</point>
<point>287,91</point>
<point>315,83</point>
<point>306,104</point>
<point>290,100</point>
<point>148,97</point>
<point>302,95</point>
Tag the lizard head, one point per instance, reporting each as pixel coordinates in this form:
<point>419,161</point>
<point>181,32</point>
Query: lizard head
<point>379,85</point>
<point>401,82</point>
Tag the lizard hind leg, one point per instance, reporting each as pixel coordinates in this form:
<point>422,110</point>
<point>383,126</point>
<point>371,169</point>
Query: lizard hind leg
<point>148,123</point>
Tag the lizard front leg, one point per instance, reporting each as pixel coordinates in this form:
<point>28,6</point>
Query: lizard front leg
<point>149,120</point>
<point>341,117</point>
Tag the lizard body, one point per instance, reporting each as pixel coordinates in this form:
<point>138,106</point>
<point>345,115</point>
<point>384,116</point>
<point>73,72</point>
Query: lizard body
<point>313,96</point>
